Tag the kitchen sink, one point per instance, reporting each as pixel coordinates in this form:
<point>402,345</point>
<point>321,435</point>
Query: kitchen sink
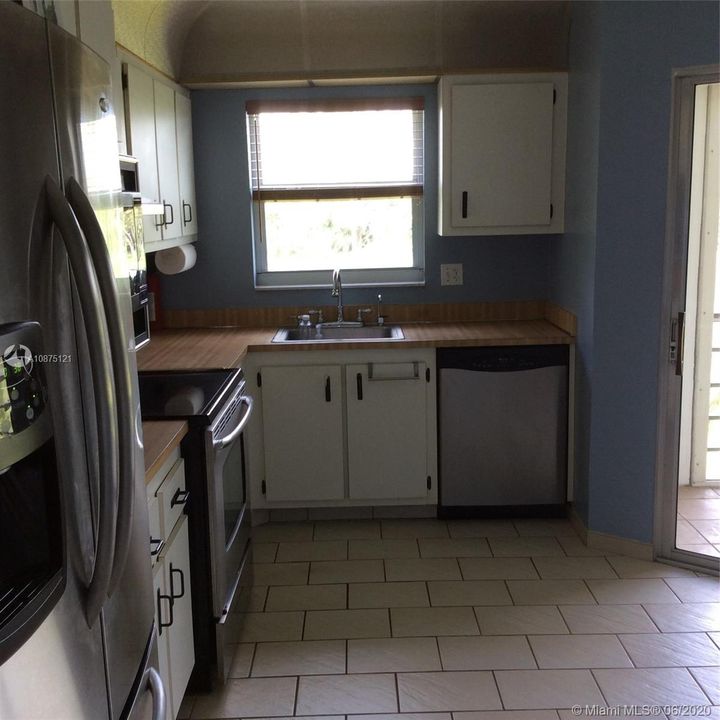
<point>338,334</point>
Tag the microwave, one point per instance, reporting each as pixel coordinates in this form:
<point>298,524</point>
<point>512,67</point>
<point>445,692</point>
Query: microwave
<point>133,208</point>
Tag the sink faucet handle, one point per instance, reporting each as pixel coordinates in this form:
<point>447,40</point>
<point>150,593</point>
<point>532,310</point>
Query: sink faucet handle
<point>380,316</point>
<point>361,312</point>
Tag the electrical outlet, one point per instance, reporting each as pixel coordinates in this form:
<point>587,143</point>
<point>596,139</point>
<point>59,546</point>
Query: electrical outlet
<point>451,274</point>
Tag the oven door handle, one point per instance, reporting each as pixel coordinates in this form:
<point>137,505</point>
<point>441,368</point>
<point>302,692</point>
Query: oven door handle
<point>224,441</point>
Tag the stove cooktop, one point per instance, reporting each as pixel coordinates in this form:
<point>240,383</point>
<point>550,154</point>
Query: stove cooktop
<point>174,395</point>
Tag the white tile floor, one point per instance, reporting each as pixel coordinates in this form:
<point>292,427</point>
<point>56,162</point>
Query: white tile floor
<point>467,620</point>
<point>698,519</point>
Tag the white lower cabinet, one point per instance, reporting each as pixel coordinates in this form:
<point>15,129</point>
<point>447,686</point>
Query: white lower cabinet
<point>387,430</point>
<point>302,432</point>
<point>171,579</point>
<point>163,610</point>
<point>344,428</point>
<point>180,641</point>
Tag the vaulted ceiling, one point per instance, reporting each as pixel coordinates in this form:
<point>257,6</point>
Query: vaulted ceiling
<point>201,42</point>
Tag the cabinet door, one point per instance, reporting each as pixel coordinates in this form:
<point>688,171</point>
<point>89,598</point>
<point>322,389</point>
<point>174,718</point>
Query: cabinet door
<point>165,134</point>
<point>501,139</point>
<point>163,614</point>
<point>303,433</point>
<point>186,171</point>
<point>180,636</point>
<point>141,116</point>
<point>387,430</point>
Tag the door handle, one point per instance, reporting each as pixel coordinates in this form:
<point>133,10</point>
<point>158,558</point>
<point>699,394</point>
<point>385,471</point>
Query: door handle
<point>88,290</point>
<point>680,346</point>
<point>157,690</point>
<point>224,441</point>
<point>121,373</point>
<point>328,391</point>
<point>358,380</point>
<point>464,204</point>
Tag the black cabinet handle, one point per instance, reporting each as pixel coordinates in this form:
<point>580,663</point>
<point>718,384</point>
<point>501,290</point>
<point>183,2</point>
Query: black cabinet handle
<point>464,204</point>
<point>328,393</point>
<point>172,214</point>
<point>180,497</point>
<point>173,571</point>
<point>160,598</point>
<point>358,379</point>
<point>156,546</point>
<point>187,219</point>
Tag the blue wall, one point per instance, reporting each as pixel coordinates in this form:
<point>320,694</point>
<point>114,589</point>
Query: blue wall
<point>495,268</point>
<point>572,278</point>
<point>627,95</point>
<point>607,268</point>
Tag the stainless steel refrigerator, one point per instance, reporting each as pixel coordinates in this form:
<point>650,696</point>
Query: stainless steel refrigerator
<point>77,635</point>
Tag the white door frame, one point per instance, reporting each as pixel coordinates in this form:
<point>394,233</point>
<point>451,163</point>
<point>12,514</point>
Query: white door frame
<point>684,82</point>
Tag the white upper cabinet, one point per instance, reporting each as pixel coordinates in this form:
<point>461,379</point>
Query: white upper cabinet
<point>140,99</point>
<point>186,172</point>
<point>159,132</point>
<point>167,161</point>
<point>502,154</point>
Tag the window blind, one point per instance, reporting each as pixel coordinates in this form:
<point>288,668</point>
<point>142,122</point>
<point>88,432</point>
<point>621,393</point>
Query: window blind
<point>336,148</point>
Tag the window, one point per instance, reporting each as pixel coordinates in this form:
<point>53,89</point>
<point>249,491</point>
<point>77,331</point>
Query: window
<point>337,184</point>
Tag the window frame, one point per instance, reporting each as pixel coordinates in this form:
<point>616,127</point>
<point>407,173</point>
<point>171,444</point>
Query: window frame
<point>320,278</point>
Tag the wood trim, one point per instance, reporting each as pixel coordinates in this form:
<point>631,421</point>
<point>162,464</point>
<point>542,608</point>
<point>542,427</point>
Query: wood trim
<point>338,193</point>
<point>561,317</point>
<point>251,317</point>
<point>253,107</point>
<point>128,56</point>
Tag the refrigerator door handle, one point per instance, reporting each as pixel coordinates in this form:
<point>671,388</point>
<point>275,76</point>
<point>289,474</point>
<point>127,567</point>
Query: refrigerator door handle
<point>155,683</point>
<point>106,418</point>
<point>121,366</point>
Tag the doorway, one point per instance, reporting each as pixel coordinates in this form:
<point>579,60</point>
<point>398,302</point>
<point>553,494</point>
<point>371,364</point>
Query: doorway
<point>688,487</point>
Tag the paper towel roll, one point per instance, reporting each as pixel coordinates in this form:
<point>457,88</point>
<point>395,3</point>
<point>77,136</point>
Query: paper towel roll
<point>176,259</point>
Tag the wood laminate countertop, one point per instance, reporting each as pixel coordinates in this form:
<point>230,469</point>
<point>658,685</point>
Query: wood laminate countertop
<point>223,348</point>
<point>160,439</point>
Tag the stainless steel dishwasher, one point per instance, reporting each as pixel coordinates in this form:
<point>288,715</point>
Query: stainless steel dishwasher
<point>503,430</point>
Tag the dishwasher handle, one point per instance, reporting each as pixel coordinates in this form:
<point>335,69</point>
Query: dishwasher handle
<point>503,359</point>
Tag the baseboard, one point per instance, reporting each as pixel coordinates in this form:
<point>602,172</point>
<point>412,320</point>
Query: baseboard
<point>610,544</point>
<point>578,524</point>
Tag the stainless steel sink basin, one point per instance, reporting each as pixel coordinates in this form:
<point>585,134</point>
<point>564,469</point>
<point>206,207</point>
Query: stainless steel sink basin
<point>338,334</point>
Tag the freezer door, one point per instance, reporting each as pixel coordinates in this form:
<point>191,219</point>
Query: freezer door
<point>88,153</point>
<point>149,697</point>
<point>59,673</point>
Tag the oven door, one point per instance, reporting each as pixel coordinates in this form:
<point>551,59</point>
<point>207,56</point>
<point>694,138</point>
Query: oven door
<point>229,514</point>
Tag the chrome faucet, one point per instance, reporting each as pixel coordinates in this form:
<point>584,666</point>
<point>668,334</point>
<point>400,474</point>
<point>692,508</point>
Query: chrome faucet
<point>337,292</point>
